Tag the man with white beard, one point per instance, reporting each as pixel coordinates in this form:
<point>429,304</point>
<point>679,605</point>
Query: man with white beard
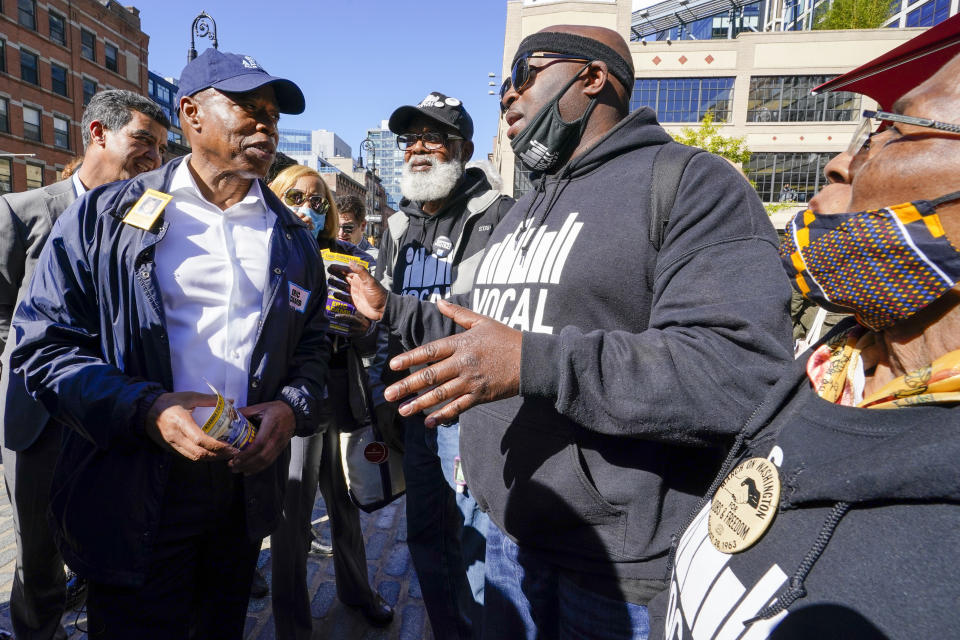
<point>433,247</point>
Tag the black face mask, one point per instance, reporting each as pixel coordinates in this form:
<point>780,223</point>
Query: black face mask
<point>548,140</point>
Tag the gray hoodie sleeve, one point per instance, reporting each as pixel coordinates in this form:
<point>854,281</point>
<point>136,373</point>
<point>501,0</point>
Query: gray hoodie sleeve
<point>718,334</point>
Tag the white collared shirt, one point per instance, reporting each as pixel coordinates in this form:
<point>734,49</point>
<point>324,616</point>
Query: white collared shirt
<point>212,267</point>
<point>77,185</point>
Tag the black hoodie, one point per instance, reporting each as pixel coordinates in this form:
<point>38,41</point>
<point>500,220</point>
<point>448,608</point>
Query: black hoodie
<point>866,542</point>
<point>429,255</point>
<point>636,366</point>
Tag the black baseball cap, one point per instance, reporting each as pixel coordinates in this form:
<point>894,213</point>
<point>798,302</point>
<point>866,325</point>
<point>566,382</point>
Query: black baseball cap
<point>437,107</point>
<point>236,73</point>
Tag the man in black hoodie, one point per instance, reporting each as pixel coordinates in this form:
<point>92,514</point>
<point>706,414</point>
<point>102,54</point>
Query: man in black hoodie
<point>600,405</point>
<point>432,249</point>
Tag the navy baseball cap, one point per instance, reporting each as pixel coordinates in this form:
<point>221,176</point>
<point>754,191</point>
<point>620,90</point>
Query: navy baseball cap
<point>437,107</point>
<point>236,73</point>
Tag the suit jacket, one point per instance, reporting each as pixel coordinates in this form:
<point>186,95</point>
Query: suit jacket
<point>25,222</point>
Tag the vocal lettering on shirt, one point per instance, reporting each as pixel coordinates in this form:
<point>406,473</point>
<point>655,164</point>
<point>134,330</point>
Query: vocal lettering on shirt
<point>514,280</point>
<point>426,276</point>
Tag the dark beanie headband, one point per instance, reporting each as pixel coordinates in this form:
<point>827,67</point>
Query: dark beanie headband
<point>579,47</point>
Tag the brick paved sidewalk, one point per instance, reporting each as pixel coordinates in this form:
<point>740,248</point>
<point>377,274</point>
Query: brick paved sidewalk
<point>388,561</point>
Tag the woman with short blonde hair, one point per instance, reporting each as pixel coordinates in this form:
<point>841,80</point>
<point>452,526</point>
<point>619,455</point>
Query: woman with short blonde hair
<point>315,460</point>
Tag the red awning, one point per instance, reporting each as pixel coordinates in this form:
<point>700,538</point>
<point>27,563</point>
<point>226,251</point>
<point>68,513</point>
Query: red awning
<point>896,72</point>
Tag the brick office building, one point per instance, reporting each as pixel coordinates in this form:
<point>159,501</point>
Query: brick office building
<point>54,55</point>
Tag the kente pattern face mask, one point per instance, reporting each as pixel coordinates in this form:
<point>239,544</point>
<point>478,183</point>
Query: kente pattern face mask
<point>882,266</point>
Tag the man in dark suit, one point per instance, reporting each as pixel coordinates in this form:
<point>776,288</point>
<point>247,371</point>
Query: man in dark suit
<point>124,134</point>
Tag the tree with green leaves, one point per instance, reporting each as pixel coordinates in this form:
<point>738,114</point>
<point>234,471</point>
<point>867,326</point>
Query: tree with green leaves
<point>854,14</point>
<point>707,136</point>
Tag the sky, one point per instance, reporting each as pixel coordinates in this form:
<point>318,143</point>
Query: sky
<point>355,60</point>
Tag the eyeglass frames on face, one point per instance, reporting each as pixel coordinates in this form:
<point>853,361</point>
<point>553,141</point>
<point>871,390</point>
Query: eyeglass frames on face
<point>347,228</point>
<point>861,137</point>
<point>295,198</point>
<point>521,74</point>
<point>431,140</point>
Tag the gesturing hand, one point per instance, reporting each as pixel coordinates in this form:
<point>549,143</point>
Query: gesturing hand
<point>482,364</point>
<point>361,288</point>
<point>170,424</point>
<point>276,426</point>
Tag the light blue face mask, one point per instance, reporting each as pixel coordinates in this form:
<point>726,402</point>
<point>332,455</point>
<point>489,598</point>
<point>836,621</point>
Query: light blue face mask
<point>318,219</point>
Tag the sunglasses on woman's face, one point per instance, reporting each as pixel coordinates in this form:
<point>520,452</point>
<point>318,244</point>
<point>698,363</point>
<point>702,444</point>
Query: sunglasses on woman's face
<point>296,197</point>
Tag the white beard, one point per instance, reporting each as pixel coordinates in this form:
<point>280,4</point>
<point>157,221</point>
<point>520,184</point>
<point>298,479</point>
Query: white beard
<point>432,185</point>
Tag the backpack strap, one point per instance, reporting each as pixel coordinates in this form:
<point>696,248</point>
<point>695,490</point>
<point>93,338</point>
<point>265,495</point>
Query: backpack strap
<point>668,167</point>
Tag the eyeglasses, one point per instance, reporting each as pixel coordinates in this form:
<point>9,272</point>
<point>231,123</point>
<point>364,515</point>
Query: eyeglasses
<point>347,228</point>
<point>521,74</point>
<point>863,134</point>
<point>296,197</point>
<point>431,140</point>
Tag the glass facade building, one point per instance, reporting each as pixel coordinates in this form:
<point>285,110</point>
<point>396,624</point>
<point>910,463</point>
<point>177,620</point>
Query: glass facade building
<point>295,142</point>
<point>788,176</point>
<point>684,99</point>
<point>719,19</point>
<point>789,99</point>
<point>163,91</point>
<point>791,131</point>
<point>389,161</point>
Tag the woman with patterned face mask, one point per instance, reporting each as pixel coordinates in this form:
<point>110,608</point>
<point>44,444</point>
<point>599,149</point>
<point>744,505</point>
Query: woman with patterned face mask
<point>315,461</point>
<point>836,512</point>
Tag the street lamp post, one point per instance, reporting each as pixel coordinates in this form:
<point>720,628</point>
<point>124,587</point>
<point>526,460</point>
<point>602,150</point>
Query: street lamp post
<point>368,145</point>
<point>204,26</point>
<point>371,148</point>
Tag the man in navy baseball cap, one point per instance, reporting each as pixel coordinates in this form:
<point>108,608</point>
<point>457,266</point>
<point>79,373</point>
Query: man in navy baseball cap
<point>176,556</point>
<point>236,73</point>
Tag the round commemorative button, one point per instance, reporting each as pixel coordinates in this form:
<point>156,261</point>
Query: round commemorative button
<point>744,505</point>
<point>376,452</point>
<point>442,246</point>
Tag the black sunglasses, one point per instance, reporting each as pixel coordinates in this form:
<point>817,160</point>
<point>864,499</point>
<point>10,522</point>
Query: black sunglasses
<point>295,198</point>
<point>432,140</point>
<point>521,74</point>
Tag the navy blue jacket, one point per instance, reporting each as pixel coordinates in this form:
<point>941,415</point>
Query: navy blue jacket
<point>93,348</point>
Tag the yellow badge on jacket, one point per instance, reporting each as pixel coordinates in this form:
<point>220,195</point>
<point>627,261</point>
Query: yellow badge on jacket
<point>144,213</point>
<point>744,505</point>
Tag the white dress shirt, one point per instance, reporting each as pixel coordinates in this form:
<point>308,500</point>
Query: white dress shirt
<point>77,185</point>
<point>212,267</point>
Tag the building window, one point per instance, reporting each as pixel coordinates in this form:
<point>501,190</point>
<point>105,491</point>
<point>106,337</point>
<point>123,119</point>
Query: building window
<point>4,118</point>
<point>89,88</point>
<point>61,132</point>
<point>788,177</point>
<point>788,99</point>
<point>163,94</point>
<point>31,124</point>
<point>6,175</point>
<point>3,55</point>
<point>58,76</point>
<point>684,99</point>
<point>110,57</point>
<point>929,14</point>
<point>27,13</point>
<point>58,28</point>
<point>28,67</point>
<point>151,87</point>
<point>34,176</point>
<point>88,45</point>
